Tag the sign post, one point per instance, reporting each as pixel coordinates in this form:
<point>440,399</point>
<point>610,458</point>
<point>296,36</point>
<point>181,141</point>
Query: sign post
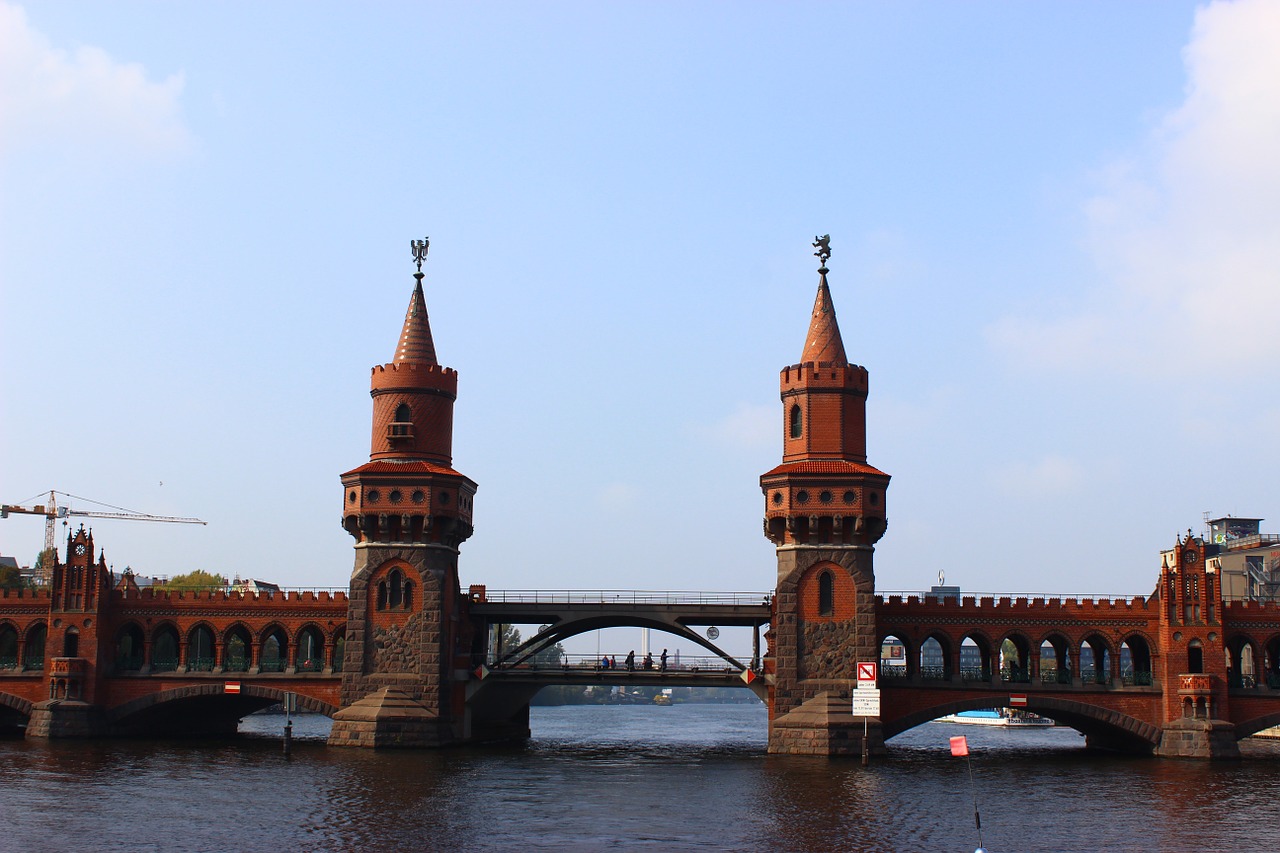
<point>870,707</point>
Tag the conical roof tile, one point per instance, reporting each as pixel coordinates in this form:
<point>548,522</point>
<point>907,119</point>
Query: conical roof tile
<point>415,344</point>
<point>823,343</point>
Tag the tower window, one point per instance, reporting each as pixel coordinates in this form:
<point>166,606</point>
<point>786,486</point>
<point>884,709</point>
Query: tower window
<point>826,594</point>
<point>402,426</point>
<point>797,422</point>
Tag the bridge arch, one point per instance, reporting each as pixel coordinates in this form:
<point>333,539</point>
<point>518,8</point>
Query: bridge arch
<point>564,629</point>
<point>257,697</point>
<point>910,655</point>
<point>1102,657</point>
<point>1017,670</point>
<point>1110,728</point>
<point>982,641</point>
<point>1243,658</point>
<point>166,645</point>
<point>1257,724</point>
<point>309,648</point>
<point>1141,664</point>
<point>14,710</point>
<point>273,648</point>
<point>237,648</point>
<point>1060,645</point>
<point>202,648</point>
<point>935,656</point>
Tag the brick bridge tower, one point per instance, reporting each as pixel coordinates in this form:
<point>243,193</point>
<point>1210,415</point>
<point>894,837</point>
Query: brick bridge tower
<point>824,510</point>
<point>408,510</point>
<point>1192,664</point>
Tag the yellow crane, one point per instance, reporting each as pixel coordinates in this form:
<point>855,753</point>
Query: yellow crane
<point>52,512</point>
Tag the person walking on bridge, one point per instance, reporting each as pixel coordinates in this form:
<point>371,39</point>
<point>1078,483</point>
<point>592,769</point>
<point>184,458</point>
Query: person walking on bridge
<point>662,661</point>
<point>631,661</point>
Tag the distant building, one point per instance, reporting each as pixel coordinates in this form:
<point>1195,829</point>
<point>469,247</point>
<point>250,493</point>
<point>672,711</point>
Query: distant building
<point>1246,559</point>
<point>251,585</point>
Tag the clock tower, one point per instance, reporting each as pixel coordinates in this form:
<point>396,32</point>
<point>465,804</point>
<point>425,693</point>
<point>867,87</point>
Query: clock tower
<point>824,512</point>
<point>408,511</point>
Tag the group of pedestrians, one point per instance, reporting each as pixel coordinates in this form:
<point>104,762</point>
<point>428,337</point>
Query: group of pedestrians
<point>629,663</point>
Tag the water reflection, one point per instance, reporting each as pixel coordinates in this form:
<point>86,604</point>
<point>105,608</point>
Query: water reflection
<point>685,777</point>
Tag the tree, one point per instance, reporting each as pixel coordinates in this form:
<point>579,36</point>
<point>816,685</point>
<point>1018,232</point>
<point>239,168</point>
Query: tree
<point>196,580</point>
<point>11,578</point>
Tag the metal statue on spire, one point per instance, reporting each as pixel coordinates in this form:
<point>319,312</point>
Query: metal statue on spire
<point>823,245</point>
<point>419,248</point>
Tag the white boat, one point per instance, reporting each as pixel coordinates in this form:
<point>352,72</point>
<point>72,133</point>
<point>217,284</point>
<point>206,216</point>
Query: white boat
<point>1010,718</point>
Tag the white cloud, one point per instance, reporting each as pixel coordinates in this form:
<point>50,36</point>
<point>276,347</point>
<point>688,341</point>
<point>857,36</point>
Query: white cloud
<point>1184,230</point>
<point>1050,476</point>
<point>748,427</point>
<point>82,97</point>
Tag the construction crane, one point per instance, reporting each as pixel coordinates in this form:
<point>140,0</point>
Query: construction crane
<point>51,512</point>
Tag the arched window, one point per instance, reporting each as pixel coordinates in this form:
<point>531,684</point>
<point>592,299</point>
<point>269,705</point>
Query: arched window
<point>310,657</point>
<point>1195,657</point>
<point>397,589</point>
<point>200,651</point>
<point>273,655</point>
<point>797,421</point>
<point>164,651</point>
<point>8,647</point>
<point>33,654</point>
<point>339,649</point>
<point>402,426</point>
<point>382,595</point>
<point>71,643</point>
<point>826,594</point>
<point>408,595</point>
<point>236,653</point>
<point>129,649</point>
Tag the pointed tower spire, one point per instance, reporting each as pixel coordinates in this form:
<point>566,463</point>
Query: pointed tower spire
<point>415,345</point>
<point>823,343</point>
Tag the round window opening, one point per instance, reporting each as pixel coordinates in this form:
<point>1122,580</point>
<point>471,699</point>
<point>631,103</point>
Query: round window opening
<point>850,497</point>
<point>395,497</point>
<point>374,496</point>
<point>825,497</point>
<point>351,498</point>
<point>418,496</point>
<point>802,496</point>
<point>777,497</point>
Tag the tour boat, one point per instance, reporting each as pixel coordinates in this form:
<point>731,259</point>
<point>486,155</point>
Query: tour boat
<point>1005,717</point>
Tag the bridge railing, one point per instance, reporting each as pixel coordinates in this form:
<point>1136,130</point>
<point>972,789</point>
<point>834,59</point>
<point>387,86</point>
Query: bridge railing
<point>619,596</point>
<point>994,599</point>
<point>595,663</point>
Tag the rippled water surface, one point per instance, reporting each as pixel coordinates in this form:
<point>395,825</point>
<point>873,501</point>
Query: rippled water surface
<point>687,777</point>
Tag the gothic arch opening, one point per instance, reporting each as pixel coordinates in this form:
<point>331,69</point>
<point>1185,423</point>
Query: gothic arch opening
<point>200,650</point>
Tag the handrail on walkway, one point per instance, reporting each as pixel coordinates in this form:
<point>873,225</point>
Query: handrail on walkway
<point>619,596</point>
<point>1019,596</point>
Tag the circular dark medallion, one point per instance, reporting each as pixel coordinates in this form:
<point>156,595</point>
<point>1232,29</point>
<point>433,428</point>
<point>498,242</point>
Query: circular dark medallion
<point>395,496</point>
<point>851,497</point>
<point>419,496</point>
<point>1188,557</point>
<point>824,496</point>
<point>777,497</point>
<point>373,496</point>
<point>351,498</point>
<point>802,497</point>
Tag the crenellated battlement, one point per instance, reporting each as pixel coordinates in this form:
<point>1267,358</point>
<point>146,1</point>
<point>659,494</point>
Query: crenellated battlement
<point>1047,605</point>
<point>824,375</point>
<point>1252,608</point>
<point>203,598</point>
<point>36,594</point>
<point>409,376</point>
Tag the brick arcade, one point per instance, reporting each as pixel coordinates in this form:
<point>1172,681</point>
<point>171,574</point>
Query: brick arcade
<point>402,658</point>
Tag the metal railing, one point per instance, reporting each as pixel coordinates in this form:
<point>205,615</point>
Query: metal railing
<point>1017,596</point>
<point>595,663</point>
<point>619,596</point>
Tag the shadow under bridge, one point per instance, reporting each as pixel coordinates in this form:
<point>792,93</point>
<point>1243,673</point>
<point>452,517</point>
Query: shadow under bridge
<point>568,613</point>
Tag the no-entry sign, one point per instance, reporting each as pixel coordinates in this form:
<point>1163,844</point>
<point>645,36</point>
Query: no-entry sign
<point>866,674</point>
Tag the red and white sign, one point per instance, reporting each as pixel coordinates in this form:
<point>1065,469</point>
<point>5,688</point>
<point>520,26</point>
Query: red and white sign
<point>231,687</point>
<point>748,676</point>
<point>959,746</point>
<point>1017,700</point>
<point>866,674</point>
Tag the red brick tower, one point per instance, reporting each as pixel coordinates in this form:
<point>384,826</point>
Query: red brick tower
<point>74,659</point>
<point>1192,664</point>
<point>408,510</point>
<point>824,510</point>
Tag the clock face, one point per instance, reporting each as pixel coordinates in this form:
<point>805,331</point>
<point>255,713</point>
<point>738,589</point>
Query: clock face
<point>1188,557</point>
<point>80,550</point>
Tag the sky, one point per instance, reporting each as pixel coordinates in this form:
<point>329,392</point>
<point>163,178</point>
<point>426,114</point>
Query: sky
<point>1053,232</point>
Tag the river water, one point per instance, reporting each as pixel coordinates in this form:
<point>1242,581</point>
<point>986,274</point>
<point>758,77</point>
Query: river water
<point>685,777</point>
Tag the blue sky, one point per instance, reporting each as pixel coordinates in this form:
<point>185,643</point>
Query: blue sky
<point>1054,247</point>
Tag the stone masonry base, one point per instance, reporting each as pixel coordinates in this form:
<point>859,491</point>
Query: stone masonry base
<point>824,725</point>
<point>1202,739</point>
